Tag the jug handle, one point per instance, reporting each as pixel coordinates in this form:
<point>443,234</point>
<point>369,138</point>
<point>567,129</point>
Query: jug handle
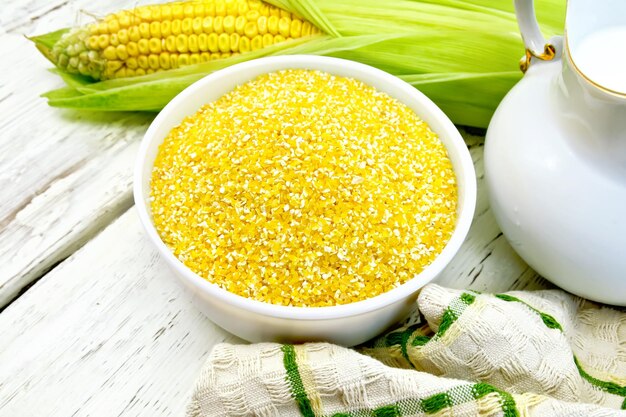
<point>535,43</point>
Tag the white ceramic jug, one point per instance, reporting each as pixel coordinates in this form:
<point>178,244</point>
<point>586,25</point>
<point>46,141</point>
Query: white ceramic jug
<point>555,153</point>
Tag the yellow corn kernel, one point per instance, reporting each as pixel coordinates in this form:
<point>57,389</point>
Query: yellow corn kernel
<point>209,9</point>
<point>203,42</point>
<point>183,59</point>
<point>234,42</point>
<point>306,28</point>
<point>215,55</point>
<point>122,35</point>
<point>130,72</point>
<point>229,24</point>
<point>279,39</point>
<point>256,42</point>
<point>284,25</point>
<point>150,71</point>
<point>154,45</point>
<point>166,13</point>
<point>166,29</point>
<point>132,49</point>
<point>93,29</point>
<point>187,26</point>
<point>250,30</point>
<point>188,10</point>
<point>272,25</point>
<point>164,60</point>
<point>213,42</point>
<point>113,40</point>
<point>133,34</point>
<point>122,52</point>
<point>253,15</point>
<point>264,10</point>
<point>142,61</point>
<point>268,40</point>
<point>198,9</point>
<point>223,42</point>
<point>194,59</point>
<point>192,43</point>
<point>242,8</point>
<point>113,26</point>
<point>124,19</point>
<point>103,28</point>
<point>274,11</point>
<point>240,23</point>
<point>196,25</point>
<point>112,66</point>
<point>153,61</point>
<point>244,45</point>
<point>92,42</point>
<point>218,24</point>
<point>170,43</point>
<point>140,71</point>
<point>262,25</point>
<point>155,29</point>
<point>120,73</point>
<point>225,55</point>
<point>144,30</point>
<point>220,9</point>
<point>132,63</point>
<point>285,14</point>
<point>144,13</point>
<point>177,11</point>
<point>295,30</point>
<point>231,8</point>
<point>155,13</point>
<point>144,48</point>
<point>173,60</point>
<point>176,27</point>
<point>207,24</point>
<point>110,52</point>
<point>181,43</point>
<point>205,57</point>
<point>103,41</point>
<point>254,4</point>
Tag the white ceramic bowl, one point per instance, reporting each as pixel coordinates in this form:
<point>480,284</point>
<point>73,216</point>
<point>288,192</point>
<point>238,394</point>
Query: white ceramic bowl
<point>348,324</point>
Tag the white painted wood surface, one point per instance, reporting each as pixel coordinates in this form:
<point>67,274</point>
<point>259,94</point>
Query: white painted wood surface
<point>108,331</point>
<point>63,175</point>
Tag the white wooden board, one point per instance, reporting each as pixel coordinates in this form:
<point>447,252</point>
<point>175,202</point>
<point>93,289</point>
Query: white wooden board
<point>108,332</point>
<point>63,175</point>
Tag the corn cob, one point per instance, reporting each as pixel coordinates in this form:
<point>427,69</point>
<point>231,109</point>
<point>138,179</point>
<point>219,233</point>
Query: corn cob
<point>154,38</point>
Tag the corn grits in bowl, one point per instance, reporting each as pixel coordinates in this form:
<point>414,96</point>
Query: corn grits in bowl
<point>304,195</point>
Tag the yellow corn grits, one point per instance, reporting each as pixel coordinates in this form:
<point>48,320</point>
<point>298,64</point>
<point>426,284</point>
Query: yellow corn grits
<point>302,188</point>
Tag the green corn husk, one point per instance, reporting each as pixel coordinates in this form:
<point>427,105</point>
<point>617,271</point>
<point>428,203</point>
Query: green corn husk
<point>462,54</point>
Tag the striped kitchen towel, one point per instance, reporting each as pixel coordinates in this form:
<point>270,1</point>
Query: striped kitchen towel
<point>544,353</point>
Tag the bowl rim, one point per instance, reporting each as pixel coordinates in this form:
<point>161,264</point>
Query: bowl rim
<point>465,210</point>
